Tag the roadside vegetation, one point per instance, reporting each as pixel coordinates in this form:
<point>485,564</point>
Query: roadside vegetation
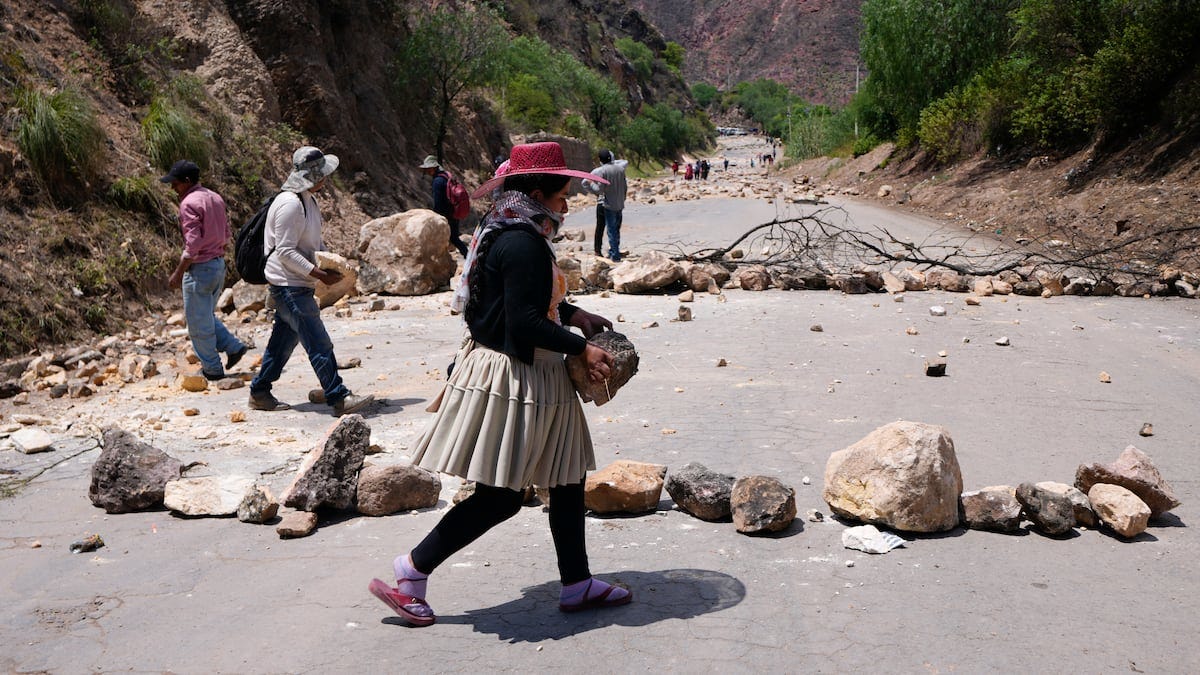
<point>538,88</point>
<point>959,77</point>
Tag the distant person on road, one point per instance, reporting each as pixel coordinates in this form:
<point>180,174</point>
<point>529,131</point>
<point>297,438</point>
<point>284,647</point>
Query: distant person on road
<point>611,189</point>
<point>441,199</point>
<point>704,169</point>
<point>687,171</point>
<point>201,269</point>
<point>726,164</point>
<point>509,416</point>
<point>675,168</point>
<point>293,237</point>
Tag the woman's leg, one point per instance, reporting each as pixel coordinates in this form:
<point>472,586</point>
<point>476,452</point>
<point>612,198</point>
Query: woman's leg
<point>580,590</point>
<point>464,523</point>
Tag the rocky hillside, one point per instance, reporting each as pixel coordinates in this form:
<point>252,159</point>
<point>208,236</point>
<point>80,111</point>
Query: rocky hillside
<point>809,45</point>
<point>261,77</point>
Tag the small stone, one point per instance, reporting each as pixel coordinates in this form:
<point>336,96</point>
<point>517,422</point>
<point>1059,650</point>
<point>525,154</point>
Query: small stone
<point>652,324</point>
<point>190,412</point>
<point>193,382</point>
<point>1002,341</point>
<point>971,300</point>
<point>721,363</point>
<point>620,318</point>
<point>816,328</point>
<point>942,353</point>
<point>237,416</point>
<point>1147,430</point>
<point>937,310</point>
<point>687,296</point>
<point>912,330</point>
<point>1105,377</point>
<point>849,563</point>
<point>814,516</point>
<point>296,524</point>
<point>806,480</point>
<point>35,544</point>
<point>685,313</point>
<point>30,440</point>
<point>935,368</point>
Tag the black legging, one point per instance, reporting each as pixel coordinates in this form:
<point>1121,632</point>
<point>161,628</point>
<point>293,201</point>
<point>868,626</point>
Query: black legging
<point>454,236</point>
<point>490,506</point>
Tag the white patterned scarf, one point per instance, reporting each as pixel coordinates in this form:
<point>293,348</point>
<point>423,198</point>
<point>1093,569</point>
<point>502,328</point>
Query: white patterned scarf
<point>511,209</point>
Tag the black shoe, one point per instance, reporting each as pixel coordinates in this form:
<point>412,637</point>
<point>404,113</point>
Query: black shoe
<point>267,401</point>
<point>352,403</point>
<point>232,358</point>
<point>214,378</point>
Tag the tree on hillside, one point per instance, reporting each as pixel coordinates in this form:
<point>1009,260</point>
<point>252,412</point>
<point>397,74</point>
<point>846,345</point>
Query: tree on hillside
<point>917,50</point>
<point>448,52</point>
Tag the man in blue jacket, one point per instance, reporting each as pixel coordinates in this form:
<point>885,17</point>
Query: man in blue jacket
<point>441,201</point>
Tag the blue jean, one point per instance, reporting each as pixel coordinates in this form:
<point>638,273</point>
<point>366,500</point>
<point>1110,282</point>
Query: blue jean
<point>612,222</point>
<point>298,321</point>
<point>202,285</point>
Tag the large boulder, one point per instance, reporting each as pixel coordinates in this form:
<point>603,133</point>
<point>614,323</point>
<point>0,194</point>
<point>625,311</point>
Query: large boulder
<point>251,297</point>
<point>625,487</point>
<point>904,475</point>
<point>384,490</point>
<point>405,254</point>
<point>328,477</point>
<point>130,475</point>
<point>762,504</point>
<point>650,272</point>
<point>328,294</point>
<point>1134,471</point>
<point>700,491</point>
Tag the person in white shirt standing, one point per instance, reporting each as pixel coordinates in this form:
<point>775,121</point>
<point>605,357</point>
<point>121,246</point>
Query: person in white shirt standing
<point>293,236</point>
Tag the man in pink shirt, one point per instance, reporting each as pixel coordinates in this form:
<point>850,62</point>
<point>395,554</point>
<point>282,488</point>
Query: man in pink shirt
<point>201,268</point>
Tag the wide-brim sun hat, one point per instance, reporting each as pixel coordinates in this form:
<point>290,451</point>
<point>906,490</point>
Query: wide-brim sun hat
<point>430,162</point>
<point>546,157</point>
<point>309,166</point>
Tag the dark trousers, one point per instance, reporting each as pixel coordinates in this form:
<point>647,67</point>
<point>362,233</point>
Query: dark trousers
<point>490,506</point>
<point>454,237</point>
<point>599,230</point>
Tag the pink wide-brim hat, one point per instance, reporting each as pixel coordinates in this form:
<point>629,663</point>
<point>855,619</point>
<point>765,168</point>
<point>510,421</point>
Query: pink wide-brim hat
<point>544,157</point>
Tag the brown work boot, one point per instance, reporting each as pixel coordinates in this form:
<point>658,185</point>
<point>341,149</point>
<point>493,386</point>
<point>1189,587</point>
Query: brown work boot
<point>267,401</point>
<point>352,403</point>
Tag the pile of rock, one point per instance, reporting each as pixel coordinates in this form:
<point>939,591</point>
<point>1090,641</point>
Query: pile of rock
<point>131,476</point>
<point>756,504</point>
<point>905,476</point>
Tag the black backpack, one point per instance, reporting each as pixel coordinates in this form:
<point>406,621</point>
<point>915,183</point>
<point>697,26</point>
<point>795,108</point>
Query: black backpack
<point>248,256</point>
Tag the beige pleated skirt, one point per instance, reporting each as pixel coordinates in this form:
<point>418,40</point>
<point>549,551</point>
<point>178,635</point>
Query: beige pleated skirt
<point>505,423</point>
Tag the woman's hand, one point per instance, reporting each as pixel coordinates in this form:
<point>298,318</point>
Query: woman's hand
<point>599,362</point>
<point>327,277</point>
<point>589,323</point>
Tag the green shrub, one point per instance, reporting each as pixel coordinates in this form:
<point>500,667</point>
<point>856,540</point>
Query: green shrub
<point>639,56</point>
<point>528,104</point>
<point>135,193</point>
<point>61,139</point>
<point>704,94</point>
<point>171,134</point>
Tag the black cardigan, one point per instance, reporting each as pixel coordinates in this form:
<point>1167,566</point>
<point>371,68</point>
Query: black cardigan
<point>515,282</point>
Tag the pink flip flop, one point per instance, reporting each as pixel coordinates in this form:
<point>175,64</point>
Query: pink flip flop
<point>414,610</point>
<point>599,601</point>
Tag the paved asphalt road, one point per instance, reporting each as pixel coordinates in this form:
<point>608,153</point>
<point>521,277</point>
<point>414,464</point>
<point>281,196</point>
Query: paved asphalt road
<point>170,594</point>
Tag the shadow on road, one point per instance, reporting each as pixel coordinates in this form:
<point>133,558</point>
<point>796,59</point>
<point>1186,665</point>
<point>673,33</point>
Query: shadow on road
<point>657,596</point>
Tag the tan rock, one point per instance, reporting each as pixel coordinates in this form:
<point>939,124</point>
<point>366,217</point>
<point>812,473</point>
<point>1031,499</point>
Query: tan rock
<point>1120,509</point>
<point>904,475</point>
<point>1135,471</point>
<point>191,381</point>
<point>207,495</point>
<point>296,524</point>
<point>625,487</point>
<point>384,490</point>
<point>1079,501</point>
<point>258,506</point>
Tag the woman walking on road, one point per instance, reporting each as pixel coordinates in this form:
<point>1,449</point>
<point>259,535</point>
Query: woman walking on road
<point>509,416</point>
